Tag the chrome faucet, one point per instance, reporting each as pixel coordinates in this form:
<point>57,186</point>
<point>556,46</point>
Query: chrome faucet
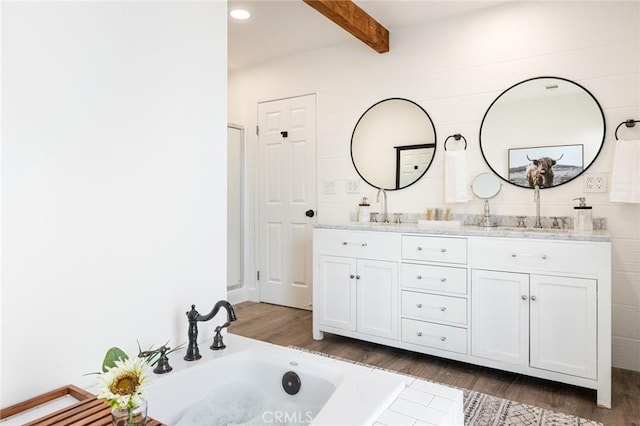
<point>384,216</point>
<point>193,353</point>
<point>536,199</point>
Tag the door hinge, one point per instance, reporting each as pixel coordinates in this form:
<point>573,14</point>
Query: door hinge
<point>258,275</point>
<point>257,130</point>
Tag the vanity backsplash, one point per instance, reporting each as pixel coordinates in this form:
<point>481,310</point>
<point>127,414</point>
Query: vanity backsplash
<point>561,222</point>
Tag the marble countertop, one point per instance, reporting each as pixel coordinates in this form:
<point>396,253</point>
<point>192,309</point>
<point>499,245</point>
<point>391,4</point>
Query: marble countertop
<point>473,230</point>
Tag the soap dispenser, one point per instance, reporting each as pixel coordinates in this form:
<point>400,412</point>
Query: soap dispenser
<point>583,219</point>
<point>364,211</point>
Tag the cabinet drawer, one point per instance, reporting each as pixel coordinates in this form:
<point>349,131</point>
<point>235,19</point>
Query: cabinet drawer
<point>434,335</point>
<point>535,256</point>
<point>360,244</point>
<point>432,307</point>
<point>434,249</point>
<point>434,278</point>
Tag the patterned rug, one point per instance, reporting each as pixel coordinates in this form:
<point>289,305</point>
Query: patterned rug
<point>481,409</point>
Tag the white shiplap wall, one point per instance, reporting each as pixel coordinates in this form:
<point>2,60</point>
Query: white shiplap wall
<point>454,68</point>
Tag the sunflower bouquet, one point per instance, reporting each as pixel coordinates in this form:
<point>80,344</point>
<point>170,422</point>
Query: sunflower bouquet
<point>121,386</point>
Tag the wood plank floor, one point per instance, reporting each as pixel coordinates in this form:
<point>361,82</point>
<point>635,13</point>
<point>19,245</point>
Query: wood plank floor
<point>286,326</point>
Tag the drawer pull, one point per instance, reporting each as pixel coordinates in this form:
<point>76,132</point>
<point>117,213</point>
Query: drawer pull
<point>443,280</point>
<point>442,250</point>
<point>442,308</point>
<point>442,338</point>
<point>419,277</point>
<point>346,243</point>
<point>543,256</point>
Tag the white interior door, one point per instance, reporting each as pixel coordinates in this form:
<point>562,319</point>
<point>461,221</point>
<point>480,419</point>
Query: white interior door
<point>287,193</point>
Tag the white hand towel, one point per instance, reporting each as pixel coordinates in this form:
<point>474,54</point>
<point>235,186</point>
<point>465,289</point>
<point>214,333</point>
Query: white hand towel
<point>456,177</point>
<point>625,174</point>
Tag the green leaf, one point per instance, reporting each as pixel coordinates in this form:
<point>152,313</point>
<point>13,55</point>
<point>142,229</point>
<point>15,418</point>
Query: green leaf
<point>113,354</point>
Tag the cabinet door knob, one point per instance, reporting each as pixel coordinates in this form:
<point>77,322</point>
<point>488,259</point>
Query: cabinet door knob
<point>419,248</point>
<point>443,338</point>
<point>444,250</point>
<point>544,257</point>
<point>352,276</point>
<point>364,244</point>
<point>419,333</point>
<point>444,308</point>
<point>344,243</point>
<point>418,305</point>
<point>533,298</point>
<point>443,280</point>
<point>419,277</point>
<point>357,277</point>
<point>524,297</point>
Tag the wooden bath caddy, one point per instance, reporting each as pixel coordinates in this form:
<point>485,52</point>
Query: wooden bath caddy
<point>87,411</point>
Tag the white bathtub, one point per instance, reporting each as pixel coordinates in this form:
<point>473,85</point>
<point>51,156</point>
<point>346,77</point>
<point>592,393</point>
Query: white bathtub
<point>242,384</point>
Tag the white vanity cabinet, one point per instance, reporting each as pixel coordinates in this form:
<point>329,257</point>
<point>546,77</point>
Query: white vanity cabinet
<point>356,283</point>
<point>542,307</point>
<point>539,321</point>
<point>523,302</point>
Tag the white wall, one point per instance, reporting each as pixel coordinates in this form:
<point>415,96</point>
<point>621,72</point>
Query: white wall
<point>454,69</point>
<point>113,178</point>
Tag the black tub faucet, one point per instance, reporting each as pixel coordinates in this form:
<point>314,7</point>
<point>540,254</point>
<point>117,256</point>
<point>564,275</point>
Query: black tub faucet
<point>193,353</point>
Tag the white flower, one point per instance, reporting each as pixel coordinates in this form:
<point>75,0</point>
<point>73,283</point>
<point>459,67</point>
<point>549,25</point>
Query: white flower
<point>122,385</point>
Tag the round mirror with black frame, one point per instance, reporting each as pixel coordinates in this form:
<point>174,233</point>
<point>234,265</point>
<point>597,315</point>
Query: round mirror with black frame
<point>544,131</point>
<point>393,144</point>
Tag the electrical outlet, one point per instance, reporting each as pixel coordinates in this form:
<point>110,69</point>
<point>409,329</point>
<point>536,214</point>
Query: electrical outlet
<point>353,187</point>
<point>329,186</point>
<point>595,183</point>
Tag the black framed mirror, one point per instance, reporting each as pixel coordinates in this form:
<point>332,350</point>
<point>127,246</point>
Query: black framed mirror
<point>393,144</point>
<point>543,131</point>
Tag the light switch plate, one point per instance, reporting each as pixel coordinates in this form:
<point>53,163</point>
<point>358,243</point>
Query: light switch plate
<point>329,186</point>
<point>353,187</point>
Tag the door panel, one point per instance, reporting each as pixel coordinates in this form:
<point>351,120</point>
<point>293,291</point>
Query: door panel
<point>377,304</point>
<point>337,303</point>
<point>500,316</point>
<point>287,189</point>
<point>563,325</point>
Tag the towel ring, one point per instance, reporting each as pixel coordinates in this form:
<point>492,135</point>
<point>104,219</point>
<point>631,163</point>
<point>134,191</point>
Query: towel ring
<point>628,123</point>
<point>457,137</point>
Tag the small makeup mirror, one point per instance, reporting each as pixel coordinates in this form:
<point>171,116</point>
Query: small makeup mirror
<point>486,186</point>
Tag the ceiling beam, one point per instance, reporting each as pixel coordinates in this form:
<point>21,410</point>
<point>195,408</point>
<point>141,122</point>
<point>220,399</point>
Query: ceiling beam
<point>354,20</point>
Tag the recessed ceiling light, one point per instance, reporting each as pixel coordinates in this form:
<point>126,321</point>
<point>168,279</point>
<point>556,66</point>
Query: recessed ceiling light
<point>240,14</point>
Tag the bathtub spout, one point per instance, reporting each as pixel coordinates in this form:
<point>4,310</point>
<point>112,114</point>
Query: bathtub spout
<point>193,353</point>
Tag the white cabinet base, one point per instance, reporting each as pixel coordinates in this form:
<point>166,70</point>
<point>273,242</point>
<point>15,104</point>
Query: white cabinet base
<point>538,307</point>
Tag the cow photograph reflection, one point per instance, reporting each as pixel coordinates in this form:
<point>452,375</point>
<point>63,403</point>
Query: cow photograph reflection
<point>545,166</point>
